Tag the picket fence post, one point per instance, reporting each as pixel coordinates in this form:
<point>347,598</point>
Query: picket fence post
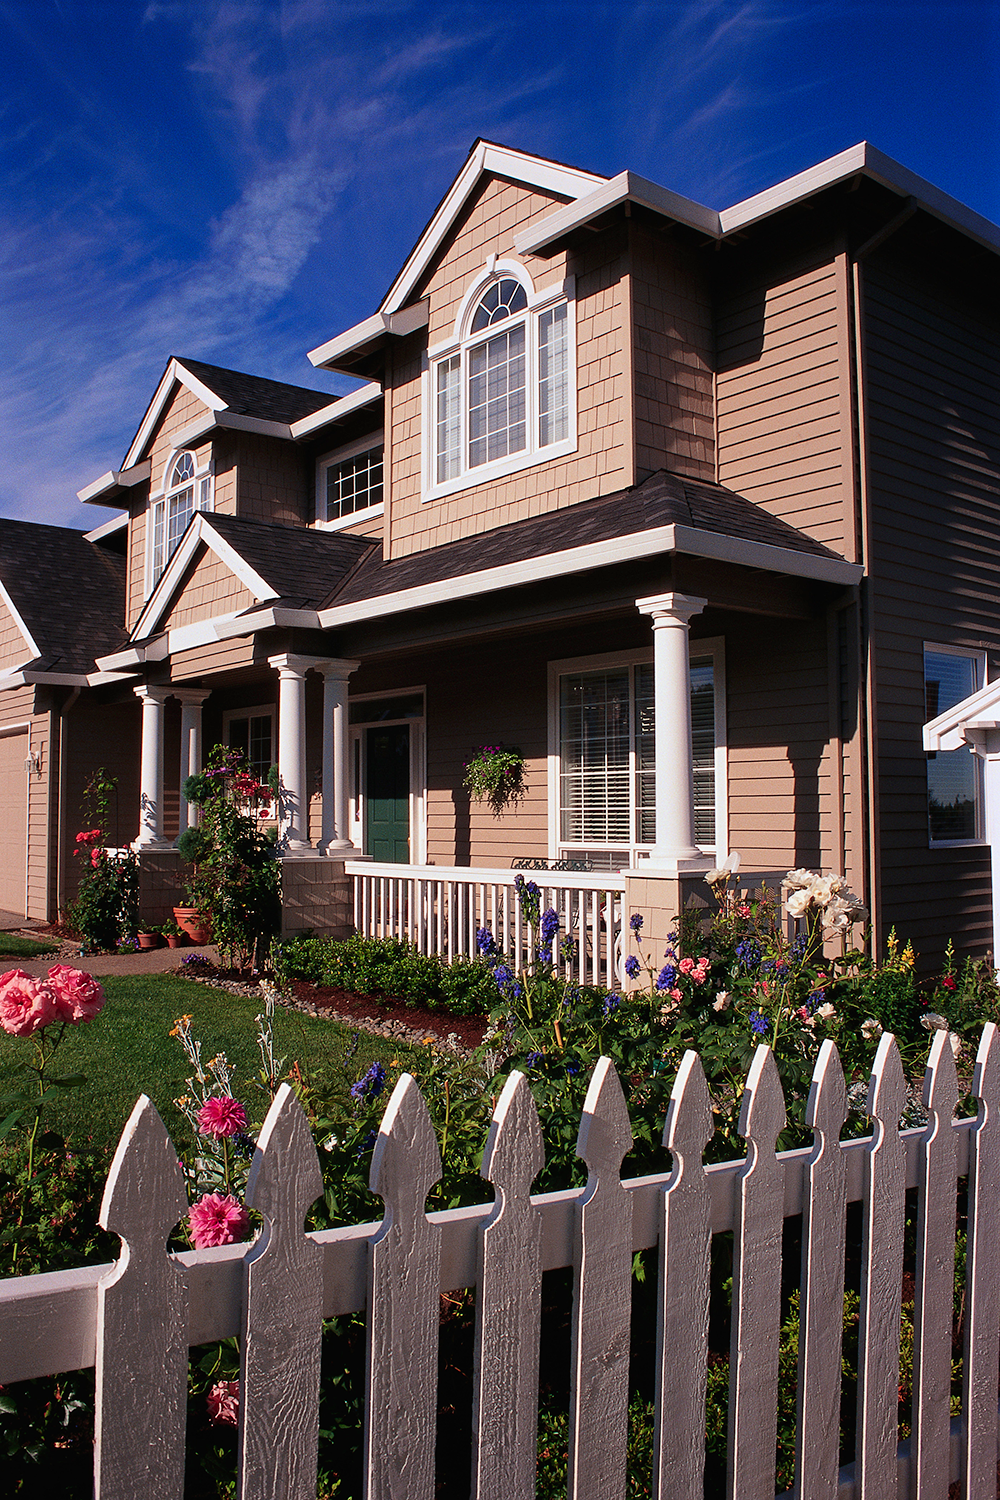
<point>982,1280</point>
<point>881,1281</point>
<point>602,1300</point>
<point>404,1262</point>
<point>821,1299</point>
<point>141,1385</point>
<point>282,1314</point>
<point>508,1304</point>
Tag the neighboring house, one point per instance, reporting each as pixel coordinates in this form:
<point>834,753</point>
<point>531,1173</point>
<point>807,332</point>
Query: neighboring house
<point>699,510</point>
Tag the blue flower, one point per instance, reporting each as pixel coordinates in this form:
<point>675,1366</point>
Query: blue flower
<point>611,1004</point>
<point>666,978</point>
<point>572,1069</point>
<point>533,1059</point>
<point>759,1024</point>
<point>371,1085</point>
<point>748,953</point>
<point>635,922</point>
<point>817,997</point>
<point>367,1143</point>
<point>632,967</point>
<point>485,942</point>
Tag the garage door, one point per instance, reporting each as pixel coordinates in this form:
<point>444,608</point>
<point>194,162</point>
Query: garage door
<point>13,821</point>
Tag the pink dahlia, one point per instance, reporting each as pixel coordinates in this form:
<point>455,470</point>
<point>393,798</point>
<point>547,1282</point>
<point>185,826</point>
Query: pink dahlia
<point>224,1403</point>
<point>26,1004</point>
<point>217,1219</point>
<point>222,1115</point>
<point>78,995</point>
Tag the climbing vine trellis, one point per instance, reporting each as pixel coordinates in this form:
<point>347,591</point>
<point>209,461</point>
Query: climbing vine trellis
<point>137,1319</point>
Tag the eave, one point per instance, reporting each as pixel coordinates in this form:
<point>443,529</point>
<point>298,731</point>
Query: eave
<point>112,489</point>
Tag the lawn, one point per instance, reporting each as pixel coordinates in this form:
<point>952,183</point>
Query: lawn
<point>127,1051</point>
<point>13,946</point>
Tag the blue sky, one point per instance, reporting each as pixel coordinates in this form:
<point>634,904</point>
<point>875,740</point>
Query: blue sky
<point>238,180</point>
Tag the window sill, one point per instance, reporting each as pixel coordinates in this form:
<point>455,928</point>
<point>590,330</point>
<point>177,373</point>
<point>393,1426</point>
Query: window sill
<point>500,469</point>
<point>370,513</point>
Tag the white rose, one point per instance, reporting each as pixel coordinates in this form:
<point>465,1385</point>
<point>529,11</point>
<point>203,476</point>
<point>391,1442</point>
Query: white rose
<point>825,888</point>
<point>933,1022</point>
<point>825,1011</point>
<point>956,1043</point>
<point>712,877</point>
<point>721,1001</point>
<point>798,902</point>
<point>871,1028</point>
<point>797,880</point>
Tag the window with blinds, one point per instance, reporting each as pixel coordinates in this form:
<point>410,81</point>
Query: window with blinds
<point>607,758</point>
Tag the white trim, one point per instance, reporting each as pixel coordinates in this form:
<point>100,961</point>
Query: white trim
<point>212,421</point>
<point>6,730</point>
<point>343,406</point>
<point>713,646</point>
<point>371,331</point>
<point>26,676</point>
<point>107,528</point>
<point>203,473</point>
<point>656,542</point>
<point>418,769</point>
<point>26,634</point>
<point>174,373</point>
<point>115,479</point>
<point>860,160</point>
<point>264,619</point>
<point>256,711</point>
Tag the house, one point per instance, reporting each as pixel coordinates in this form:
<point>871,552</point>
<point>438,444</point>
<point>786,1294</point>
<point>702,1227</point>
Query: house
<point>697,509</point>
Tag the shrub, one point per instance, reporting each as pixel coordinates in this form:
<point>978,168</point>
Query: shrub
<point>106,908</point>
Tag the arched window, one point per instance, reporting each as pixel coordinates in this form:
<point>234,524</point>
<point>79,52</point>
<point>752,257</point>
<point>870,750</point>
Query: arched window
<point>501,390</point>
<point>185,490</point>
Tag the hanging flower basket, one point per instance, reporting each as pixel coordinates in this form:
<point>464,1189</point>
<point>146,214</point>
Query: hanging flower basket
<point>495,774</point>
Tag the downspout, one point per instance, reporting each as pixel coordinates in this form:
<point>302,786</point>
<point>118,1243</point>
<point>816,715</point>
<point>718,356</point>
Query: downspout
<point>872,819</point>
<point>61,818</point>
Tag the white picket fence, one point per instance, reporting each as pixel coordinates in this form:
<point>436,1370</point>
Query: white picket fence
<point>439,909</point>
<point>135,1320</point>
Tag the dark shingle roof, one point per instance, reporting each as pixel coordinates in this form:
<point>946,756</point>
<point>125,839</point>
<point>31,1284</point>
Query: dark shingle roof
<point>661,500</point>
<point>304,567</point>
<point>254,396</point>
<point>69,592</point>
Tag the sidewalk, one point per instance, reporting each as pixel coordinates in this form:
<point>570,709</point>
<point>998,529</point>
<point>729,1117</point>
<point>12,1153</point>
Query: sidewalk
<point>143,961</point>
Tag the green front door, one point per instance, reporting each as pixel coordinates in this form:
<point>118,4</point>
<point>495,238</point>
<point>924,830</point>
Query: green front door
<point>387,793</point>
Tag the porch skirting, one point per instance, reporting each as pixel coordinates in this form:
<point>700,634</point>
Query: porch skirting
<point>315,892</point>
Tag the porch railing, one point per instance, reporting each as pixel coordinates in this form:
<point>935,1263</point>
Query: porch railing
<point>440,909</point>
<point>136,1320</point>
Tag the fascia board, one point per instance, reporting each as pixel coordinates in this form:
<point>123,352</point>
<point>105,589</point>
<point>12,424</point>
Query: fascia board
<point>26,635</point>
<point>107,528</point>
<point>175,372</point>
<point>568,182</point>
<point>329,416</point>
<point>867,160</point>
<point>211,421</point>
<point>380,325</point>
<point>134,656</point>
<point>656,542</point>
<point>225,629</point>
<point>104,491</point>
<point>228,554</point>
<point>626,187</point>
<point>981,710</point>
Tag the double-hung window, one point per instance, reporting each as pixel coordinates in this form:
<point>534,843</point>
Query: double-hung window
<point>954,777</point>
<point>187,488</point>
<point>501,392</point>
<point>603,757</point>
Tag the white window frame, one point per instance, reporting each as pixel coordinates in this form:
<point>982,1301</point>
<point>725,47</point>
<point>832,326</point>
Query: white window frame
<point>978,657</point>
<point>257,711</point>
<point>341,455</point>
<point>203,499</point>
<point>713,646</point>
<point>418,769</point>
<point>459,344</point>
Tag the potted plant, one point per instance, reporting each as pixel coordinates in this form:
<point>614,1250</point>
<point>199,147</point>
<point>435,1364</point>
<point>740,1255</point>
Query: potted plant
<point>495,774</point>
<point>148,935</point>
<point>173,933</point>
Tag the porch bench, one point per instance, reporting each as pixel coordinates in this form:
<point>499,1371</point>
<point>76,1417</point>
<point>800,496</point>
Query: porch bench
<point>576,866</point>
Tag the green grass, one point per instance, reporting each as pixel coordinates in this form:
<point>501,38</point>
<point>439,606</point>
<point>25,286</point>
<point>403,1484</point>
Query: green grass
<point>12,946</point>
<point>128,1051</point>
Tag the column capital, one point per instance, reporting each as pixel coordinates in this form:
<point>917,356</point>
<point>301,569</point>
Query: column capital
<point>150,692</point>
<point>336,666</point>
<point>190,695</point>
<point>290,664</point>
<point>671,608</point>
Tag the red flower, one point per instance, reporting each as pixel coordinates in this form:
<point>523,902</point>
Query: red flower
<point>948,981</point>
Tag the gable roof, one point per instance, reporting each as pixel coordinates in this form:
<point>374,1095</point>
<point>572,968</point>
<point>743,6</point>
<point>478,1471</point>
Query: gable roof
<point>585,204</point>
<point>40,564</point>
<point>249,396</point>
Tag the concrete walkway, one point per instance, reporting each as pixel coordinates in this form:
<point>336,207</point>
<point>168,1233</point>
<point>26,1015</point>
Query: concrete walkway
<point>144,961</point>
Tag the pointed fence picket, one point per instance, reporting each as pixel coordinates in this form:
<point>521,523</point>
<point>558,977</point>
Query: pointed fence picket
<point>136,1320</point>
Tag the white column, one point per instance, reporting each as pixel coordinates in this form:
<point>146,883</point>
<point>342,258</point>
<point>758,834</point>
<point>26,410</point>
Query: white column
<point>151,768</point>
<point>293,810</point>
<point>335,839</point>
<point>671,613</point>
<point>190,700</point>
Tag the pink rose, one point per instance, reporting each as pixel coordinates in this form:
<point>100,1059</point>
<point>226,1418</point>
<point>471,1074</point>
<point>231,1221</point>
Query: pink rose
<point>221,1116</point>
<point>224,1403</point>
<point>26,1004</point>
<point>79,997</point>
<point>686,965</point>
<point>217,1219</point>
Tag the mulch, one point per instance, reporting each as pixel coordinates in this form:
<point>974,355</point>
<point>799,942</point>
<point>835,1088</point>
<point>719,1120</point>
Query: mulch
<point>469,1030</point>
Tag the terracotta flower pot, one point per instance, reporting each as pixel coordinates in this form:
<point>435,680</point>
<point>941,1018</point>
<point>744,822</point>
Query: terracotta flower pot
<point>175,939</point>
<point>197,926</point>
<point>148,939</point>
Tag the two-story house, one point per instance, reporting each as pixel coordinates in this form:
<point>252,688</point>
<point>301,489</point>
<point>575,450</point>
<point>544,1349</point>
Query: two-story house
<point>698,509</point>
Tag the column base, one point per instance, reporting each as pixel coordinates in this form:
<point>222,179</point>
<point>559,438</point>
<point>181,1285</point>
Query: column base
<point>664,863</point>
<point>296,851</point>
<point>154,845</point>
<point>338,849</point>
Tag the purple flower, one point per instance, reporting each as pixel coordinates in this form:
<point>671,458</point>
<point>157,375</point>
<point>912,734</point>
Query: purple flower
<point>759,1024</point>
<point>611,1004</point>
<point>486,942</point>
<point>666,977</point>
<point>632,967</point>
<point>635,922</point>
<point>371,1085</point>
